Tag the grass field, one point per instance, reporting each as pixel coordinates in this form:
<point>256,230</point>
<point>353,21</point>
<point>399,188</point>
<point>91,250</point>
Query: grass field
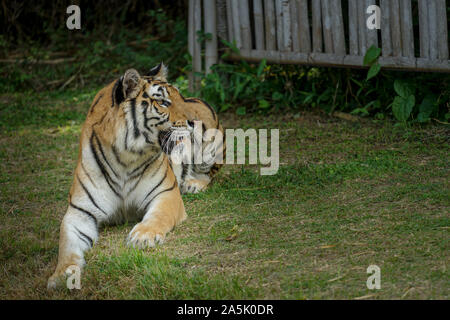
<point>347,195</point>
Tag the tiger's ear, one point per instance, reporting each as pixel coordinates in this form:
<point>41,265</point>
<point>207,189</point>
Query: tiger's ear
<point>127,86</point>
<point>159,72</point>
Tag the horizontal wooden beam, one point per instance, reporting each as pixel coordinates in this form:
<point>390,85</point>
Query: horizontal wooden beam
<point>333,60</point>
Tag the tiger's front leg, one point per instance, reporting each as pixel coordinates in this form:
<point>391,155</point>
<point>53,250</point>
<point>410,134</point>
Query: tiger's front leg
<point>165,211</point>
<point>78,233</point>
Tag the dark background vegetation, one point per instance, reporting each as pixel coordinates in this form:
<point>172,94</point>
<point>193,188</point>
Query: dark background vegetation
<point>39,53</point>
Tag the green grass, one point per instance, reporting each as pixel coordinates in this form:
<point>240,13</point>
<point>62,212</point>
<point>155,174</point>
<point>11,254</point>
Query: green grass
<point>347,195</point>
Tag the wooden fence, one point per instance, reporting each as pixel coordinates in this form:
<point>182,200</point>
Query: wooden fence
<point>321,32</point>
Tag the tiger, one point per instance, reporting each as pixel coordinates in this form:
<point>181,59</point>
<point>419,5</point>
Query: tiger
<point>122,173</point>
<point>192,177</point>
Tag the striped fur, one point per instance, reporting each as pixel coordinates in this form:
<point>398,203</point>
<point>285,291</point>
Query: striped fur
<point>193,178</point>
<point>122,173</point>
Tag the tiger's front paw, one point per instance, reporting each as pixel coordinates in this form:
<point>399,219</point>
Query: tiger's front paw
<point>60,278</point>
<point>194,186</point>
<point>145,235</point>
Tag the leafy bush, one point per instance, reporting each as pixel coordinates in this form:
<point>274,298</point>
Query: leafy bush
<point>379,93</point>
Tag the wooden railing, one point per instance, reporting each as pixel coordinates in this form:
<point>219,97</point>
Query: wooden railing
<point>321,32</point>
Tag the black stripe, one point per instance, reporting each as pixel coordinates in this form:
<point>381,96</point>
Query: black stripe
<point>103,154</point>
<point>157,185</point>
<point>197,100</point>
<point>168,189</point>
<point>90,196</point>
<point>142,174</point>
<point>147,138</point>
<point>126,134</point>
<point>133,115</point>
<point>84,211</point>
<point>151,160</point>
<point>160,122</point>
<point>102,168</point>
<point>87,174</point>
<point>117,156</point>
<point>185,170</point>
<point>95,103</point>
<point>85,237</point>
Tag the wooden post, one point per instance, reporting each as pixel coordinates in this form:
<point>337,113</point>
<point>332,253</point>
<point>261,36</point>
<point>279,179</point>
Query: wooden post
<point>221,16</point>
<point>326,25</point>
<point>191,40</point>
<point>386,41</point>
<point>287,40</point>
<point>303,21</point>
<point>209,7</point>
<point>236,23</point>
<point>442,29</point>
<point>337,23</point>
<point>362,27</point>
<point>407,28</point>
<point>197,59</point>
<point>317,25</point>
<point>244,18</point>
<point>270,22</point>
<point>395,28</point>
<point>230,21</point>
<point>372,35</point>
<point>295,26</point>
<point>353,27</point>
<point>424,29</point>
<point>279,19</point>
<point>259,24</point>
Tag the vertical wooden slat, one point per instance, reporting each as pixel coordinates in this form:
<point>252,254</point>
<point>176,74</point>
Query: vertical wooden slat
<point>259,24</point>
<point>230,21</point>
<point>197,59</point>
<point>279,28</point>
<point>353,27</point>
<point>424,29</point>
<point>191,40</point>
<point>432,29</point>
<point>244,18</point>
<point>270,22</point>
<point>295,26</point>
<point>287,39</point>
<point>442,29</point>
<point>407,28</point>
<point>236,23</point>
<point>386,41</point>
<point>303,22</point>
<point>317,25</point>
<point>221,16</point>
<point>395,28</point>
<point>337,24</point>
<point>326,25</point>
<point>191,33</point>
<point>209,10</point>
<point>372,35</point>
<point>362,28</point>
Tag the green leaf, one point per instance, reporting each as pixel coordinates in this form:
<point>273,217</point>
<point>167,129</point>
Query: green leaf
<point>241,111</point>
<point>277,96</point>
<point>402,89</point>
<point>372,55</point>
<point>261,67</point>
<point>373,71</point>
<point>263,104</point>
<point>402,107</point>
<point>427,108</point>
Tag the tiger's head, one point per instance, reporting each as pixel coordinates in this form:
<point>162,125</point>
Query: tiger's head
<point>147,108</point>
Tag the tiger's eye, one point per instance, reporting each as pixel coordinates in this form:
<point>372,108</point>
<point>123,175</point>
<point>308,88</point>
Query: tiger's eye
<point>144,104</point>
